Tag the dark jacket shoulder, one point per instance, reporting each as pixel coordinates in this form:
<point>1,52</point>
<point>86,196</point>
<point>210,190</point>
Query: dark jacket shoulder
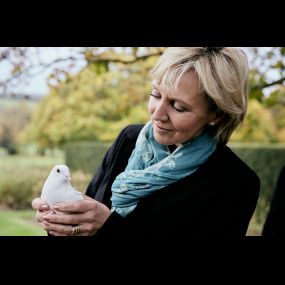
<point>236,163</point>
<point>131,131</point>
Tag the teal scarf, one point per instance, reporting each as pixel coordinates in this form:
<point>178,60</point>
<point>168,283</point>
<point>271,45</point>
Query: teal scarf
<point>152,166</point>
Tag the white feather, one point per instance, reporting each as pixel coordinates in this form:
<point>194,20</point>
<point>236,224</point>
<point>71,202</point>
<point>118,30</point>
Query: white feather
<point>57,187</point>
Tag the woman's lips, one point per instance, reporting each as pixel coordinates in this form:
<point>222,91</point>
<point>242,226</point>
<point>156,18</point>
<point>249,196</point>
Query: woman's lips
<point>160,129</point>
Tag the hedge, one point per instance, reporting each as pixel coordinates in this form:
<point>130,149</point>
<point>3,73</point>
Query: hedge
<point>85,156</point>
<point>265,159</point>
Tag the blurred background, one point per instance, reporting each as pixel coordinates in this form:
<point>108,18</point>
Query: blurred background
<point>66,105</point>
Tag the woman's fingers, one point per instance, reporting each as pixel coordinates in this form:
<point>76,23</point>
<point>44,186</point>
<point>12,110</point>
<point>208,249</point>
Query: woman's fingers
<point>63,230</point>
<point>65,219</point>
<point>39,204</point>
<point>81,206</point>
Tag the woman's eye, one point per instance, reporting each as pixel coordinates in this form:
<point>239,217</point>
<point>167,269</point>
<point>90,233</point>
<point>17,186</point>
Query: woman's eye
<point>178,108</point>
<point>155,95</point>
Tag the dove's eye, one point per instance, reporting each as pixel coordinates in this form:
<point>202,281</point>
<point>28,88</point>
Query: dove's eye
<point>57,171</point>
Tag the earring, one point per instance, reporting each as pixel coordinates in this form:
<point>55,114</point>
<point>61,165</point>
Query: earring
<point>211,123</point>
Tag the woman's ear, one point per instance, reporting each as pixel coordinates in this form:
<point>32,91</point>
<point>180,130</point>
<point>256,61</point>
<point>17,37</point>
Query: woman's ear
<point>215,118</point>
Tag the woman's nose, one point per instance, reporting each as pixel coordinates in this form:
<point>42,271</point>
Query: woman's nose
<point>160,112</point>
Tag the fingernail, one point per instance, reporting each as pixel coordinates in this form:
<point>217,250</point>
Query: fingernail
<point>56,207</point>
<point>45,218</point>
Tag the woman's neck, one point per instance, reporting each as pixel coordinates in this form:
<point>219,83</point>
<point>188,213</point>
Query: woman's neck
<point>172,148</point>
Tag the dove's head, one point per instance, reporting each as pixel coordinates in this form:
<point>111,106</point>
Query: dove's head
<point>61,172</point>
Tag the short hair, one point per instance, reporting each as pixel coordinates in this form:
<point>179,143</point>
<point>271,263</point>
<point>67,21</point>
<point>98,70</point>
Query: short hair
<point>223,78</point>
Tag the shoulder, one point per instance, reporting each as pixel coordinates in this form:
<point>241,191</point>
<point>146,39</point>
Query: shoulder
<point>234,166</point>
<point>131,131</point>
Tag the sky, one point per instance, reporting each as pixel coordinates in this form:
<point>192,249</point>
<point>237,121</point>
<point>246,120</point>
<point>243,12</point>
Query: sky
<point>37,85</point>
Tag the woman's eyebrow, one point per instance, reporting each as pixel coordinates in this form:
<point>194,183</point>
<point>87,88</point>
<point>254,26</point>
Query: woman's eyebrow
<point>155,86</point>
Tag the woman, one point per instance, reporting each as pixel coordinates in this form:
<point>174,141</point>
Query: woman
<point>174,176</point>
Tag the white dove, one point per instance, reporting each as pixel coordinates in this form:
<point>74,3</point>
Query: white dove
<point>57,187</point>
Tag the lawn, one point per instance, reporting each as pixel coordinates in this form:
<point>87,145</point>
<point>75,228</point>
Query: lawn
<point>254,228</point>
<point>19,223</point>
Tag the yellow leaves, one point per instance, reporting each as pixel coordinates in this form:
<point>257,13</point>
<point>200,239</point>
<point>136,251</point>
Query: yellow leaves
<point>92,106</point>
<point>259,125</point>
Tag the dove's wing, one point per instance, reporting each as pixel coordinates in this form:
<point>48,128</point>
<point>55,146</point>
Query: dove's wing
<point>72,194</point>
<point>55,195</point>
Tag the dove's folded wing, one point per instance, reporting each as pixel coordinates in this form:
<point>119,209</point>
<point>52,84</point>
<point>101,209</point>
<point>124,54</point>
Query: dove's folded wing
<point>73,196</point>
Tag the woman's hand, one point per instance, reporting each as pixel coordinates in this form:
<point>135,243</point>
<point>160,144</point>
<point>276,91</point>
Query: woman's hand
<point>42,209</point>
<point>88,214</point>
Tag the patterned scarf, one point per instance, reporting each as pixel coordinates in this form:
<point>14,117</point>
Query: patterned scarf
<point>152,166</point>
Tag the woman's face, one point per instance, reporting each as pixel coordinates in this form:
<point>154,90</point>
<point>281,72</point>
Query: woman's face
<point>179,115</point>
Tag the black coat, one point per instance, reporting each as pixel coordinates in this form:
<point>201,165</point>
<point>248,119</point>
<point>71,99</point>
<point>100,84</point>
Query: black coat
<point>217,200</point>
<point>274,225</point>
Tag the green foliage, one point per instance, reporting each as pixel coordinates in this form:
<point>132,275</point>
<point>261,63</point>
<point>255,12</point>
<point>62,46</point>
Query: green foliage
<point>256,79</point>
<point>91,106</point>
<point>85,156</point>
<point>17,192</point>
<point>22,179</point>
<point>259,125</point>
<point>13,119</point>
<point>276,98</point>
<point>266,160</point>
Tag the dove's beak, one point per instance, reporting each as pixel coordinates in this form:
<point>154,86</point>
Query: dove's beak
<point>68,177</point>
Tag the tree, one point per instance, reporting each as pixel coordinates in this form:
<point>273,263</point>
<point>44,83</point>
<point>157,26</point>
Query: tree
<point>92,105</point>
<point>22,63</point>
<point>13,120</point>
<point>112,91</point>
<point>267,70</point>
<point>259,125</point>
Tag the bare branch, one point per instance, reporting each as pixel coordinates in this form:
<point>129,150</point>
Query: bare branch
<point>265,85</point>
<point>125,61</point>
<point>45,66</point>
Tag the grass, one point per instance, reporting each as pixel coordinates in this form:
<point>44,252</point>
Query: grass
<point>254,228</point>
<point>19,223</point>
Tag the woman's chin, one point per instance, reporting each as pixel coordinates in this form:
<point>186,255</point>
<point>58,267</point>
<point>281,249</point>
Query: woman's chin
<point>163,140</point>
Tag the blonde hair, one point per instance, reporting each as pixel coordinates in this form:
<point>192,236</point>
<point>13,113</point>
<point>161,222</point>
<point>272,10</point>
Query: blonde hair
<point>223,78</point>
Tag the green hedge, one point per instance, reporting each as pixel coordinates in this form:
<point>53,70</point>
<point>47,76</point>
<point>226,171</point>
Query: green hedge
<point>85,156</point>
<point>265,159</point>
